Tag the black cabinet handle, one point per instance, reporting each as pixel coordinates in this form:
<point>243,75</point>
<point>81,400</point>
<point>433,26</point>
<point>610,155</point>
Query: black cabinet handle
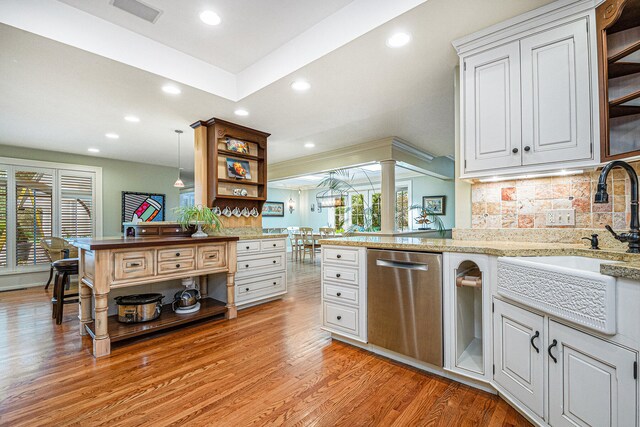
<point>536,335</point>
<point>527,148</point>
<point>247,289</point>
<point>339,317</point>
<point>338,294</point>
<point>246,266</point>
<point>274,261</point>
<point>515,150</point>
<point>177,265</point>
<point>338,275</point>
<point>177,253</point>
<point>247,247</point>
<point>553,344</point>
<point>275,283</point>
<point>274,245</point>
<point>338,256</point>
<point>134,264</point>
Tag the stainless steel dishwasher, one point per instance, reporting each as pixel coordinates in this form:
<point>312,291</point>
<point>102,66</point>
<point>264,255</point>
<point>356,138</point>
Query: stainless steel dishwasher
<point>404,303</point>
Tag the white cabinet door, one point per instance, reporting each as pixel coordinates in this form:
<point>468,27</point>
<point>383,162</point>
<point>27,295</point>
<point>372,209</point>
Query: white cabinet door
<point>556,95</point>
<point>491,101</point>
<point>518,354</point>
<point>592,383</point>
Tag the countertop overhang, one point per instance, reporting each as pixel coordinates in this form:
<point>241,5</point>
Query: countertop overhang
<point>141,242</point>
<point>629,267</point>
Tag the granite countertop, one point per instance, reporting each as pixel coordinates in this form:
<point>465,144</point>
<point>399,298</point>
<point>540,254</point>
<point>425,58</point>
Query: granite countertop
<point>628,268</point>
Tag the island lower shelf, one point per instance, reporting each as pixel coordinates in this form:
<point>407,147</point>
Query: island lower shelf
<point>118,331</point>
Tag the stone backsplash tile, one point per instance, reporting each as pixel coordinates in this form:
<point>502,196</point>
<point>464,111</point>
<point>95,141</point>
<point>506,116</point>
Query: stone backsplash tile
<point>522,203</point>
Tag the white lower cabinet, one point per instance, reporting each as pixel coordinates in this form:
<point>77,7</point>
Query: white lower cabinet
<point>344,291</point>
<point>591,381</point>
<point>518,355</point>
<point>262,271</point>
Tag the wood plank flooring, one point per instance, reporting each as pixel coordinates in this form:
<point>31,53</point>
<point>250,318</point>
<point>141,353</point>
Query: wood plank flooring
<point>271,366</point>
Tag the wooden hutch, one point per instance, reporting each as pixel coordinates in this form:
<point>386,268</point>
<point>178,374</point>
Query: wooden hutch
<point>215,185</point>
<point>618,24</point>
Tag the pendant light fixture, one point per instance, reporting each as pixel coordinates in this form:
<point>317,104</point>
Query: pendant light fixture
<point>179,183</point>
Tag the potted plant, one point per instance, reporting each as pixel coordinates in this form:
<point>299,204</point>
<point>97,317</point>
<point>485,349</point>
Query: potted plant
<point>426,217</point>
<point>199,216</point>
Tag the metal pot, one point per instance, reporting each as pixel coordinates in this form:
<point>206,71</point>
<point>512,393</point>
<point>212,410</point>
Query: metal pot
<point>185,299</point>
<point>139,308</point>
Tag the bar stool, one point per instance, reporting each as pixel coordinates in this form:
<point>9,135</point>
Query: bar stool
<point>64,268</point>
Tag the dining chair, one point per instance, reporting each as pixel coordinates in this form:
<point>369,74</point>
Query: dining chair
<point>308,243</point>
<point>294,241</point>
<point>326,232</point>
<point>57,248</point>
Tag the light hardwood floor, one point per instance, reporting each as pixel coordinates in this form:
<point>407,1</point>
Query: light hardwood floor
<point>271,366</point>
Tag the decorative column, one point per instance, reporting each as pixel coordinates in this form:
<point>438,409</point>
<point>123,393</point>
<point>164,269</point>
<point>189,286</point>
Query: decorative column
<point>388,196</point>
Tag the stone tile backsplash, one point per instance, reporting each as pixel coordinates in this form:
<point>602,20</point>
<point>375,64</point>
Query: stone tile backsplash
<point>522,203</point>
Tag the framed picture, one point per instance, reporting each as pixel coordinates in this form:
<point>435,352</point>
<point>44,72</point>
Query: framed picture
<point>435,204</point>
<point>142,207</point>
<point>237,145</point>
<point>238,169</point>
<point>273,209</point>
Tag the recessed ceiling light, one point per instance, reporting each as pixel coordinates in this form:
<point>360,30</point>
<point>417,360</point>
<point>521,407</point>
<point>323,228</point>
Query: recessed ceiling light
<point>132,119</point>
<point>301,85</point>
<point>93,150</point>
<point>173,90</point>
<point>398,40</point>
<point>241,112</point>
<point>309,145</point>
<point>209,17</point>
<point>112,135</point>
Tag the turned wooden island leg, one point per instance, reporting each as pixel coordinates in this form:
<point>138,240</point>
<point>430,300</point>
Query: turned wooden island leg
<point>101,342</point>
<point>84,295</point>
<point>101,287</point>
<point>232,264</point>
<point>232,311</point>
<point>85,306</point>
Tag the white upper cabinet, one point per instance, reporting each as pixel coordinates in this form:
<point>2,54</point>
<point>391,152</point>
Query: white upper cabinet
<point>528,93</point>
<point>556,96</point>
<point>492,108</point>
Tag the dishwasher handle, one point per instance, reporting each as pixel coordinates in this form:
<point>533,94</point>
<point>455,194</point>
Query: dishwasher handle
<point>402,264</point>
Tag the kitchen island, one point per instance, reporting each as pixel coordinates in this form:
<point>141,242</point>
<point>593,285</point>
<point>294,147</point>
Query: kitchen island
<point>125,262</point>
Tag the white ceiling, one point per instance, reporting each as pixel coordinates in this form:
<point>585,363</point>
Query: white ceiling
<point>54,96</point>
<point>250,29</point>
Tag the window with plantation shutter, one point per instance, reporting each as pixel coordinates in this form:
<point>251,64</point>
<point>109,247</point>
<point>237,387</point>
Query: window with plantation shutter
<point>3,218</point>
<point>40,200</point>
<point>33,214</point>
<point>76,205</point>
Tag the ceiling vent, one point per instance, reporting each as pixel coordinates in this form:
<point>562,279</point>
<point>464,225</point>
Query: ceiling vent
<point>139,9</point>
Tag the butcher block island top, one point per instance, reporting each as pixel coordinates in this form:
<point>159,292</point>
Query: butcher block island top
<point>141,242</point>
<point>113,263</point>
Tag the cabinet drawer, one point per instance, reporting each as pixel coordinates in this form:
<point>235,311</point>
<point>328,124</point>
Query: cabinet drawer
<point>341,256</point>
<point>148,231</point>
<point>211,256</point>
<point>169,267</point>
<point>260,287</point>
<point>341,318</point>
<point>132,264</point>
<point>248,247</point>
<point>175,253</point>
<point>172,231</point>
<point>340,274</point>
<point>252,266</point>
<point>344,294</point>
<point>272,245</point>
